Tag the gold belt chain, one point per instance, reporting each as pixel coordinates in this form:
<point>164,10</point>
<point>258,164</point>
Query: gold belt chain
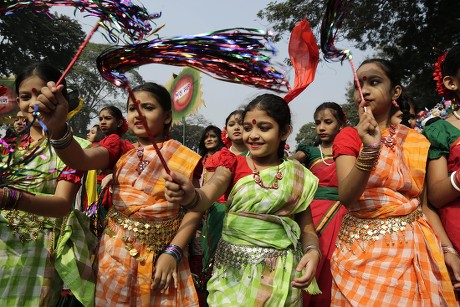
<point>154,235</point>
<point>239,256</point>
<point>370,230</point>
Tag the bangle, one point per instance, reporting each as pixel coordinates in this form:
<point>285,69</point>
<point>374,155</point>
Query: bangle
<point>194,203</point>
<point>10,199</point>
<point>175,251</point>
<point>65,140</point>
<point>452,181</point>
<point>311,247</point>
<point>450,250</point>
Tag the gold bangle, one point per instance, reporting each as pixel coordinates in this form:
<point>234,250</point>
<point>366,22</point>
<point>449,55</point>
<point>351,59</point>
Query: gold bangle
<point>450,250</point>
<point>311,247</point>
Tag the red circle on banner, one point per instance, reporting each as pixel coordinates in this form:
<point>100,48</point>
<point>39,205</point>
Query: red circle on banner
<point>182,92</point>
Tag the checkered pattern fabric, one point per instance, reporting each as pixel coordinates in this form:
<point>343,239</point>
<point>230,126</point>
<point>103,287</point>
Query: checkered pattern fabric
<point>122,279</point>
<point>405,268</point>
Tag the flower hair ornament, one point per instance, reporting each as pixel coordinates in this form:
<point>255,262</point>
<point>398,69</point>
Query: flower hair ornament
<point>225,139</point>
<point>438,77</point>
<point>123,128</point>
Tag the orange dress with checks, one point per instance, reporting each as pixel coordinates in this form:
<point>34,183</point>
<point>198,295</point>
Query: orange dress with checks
<point>126,264</point>
<point>401,267</point>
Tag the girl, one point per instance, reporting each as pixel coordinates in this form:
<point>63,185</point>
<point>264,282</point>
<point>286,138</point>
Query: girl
<point>140,257</point>
<point>405,113</point>
<point>212,227</point>
<point>95,135</point>
<point>443,181</point>
<point>40,235</point>
<point>269,248</point>
<point>326,209</point>
<point>210,143</point>
<point>387,251</point>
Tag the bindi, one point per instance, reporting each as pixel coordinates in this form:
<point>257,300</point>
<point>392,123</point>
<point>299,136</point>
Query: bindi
<point>254,121</point>
<point>364,78</point>
<point>34,90</point>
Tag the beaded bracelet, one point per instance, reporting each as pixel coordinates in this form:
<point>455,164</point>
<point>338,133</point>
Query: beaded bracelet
<point>10,199</point>
<point>310,247</point>
<point>449,249</point>
<point>194,203</point>
<point>175,251</point>
<point>65,140</point>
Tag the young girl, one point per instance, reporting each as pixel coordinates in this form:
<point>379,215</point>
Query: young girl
<point>387,252</point>
<point>405,113</point>
<point>442,178</point>
<point>95,135</point>
<point>141,253</point>
<point>42,240</point>
<point>212,227</point>
<point>269,248</point>
<point>326,209</point>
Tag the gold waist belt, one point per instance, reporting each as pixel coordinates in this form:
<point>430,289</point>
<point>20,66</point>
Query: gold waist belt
<point>358,229</point>
<point>154,235</point>
<point>239,256</point>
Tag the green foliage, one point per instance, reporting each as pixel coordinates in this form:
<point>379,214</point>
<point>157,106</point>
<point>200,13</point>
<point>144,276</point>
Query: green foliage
<point>409,33</point>
<point>27,37</point>
<point>194,126</point>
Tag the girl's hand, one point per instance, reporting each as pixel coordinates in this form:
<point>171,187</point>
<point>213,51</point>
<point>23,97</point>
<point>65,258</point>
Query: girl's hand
<point>453,264</point>
<point>107,181</point>
<point>178,188</point>
<point>165,272</point>
<point>368,128</point>
<point>53,107</point>
<point>309,262</point>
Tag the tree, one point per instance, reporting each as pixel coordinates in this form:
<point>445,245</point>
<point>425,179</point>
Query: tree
<point>194,126</point>
<point>27,37</point>
<point>410,33</point>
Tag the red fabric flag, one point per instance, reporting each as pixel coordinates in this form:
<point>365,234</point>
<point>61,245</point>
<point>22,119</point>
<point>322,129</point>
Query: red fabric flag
<point>304,55</point>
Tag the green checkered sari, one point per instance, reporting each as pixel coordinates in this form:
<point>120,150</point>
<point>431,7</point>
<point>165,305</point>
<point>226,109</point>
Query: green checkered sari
<point>38,254</point>
<point>264,218</point>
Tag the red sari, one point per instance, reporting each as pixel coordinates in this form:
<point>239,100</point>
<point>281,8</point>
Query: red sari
<point>327,213</point>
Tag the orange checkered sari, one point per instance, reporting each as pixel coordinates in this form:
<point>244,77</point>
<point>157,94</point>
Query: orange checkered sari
<point>406,267</point>
<point>125,270</point>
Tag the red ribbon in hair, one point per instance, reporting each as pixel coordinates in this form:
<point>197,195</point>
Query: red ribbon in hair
<point>123,128</point>
<point>438,77</point>
<point>304,55</point>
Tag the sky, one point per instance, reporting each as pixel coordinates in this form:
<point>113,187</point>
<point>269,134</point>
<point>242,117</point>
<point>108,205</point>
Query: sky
<point>182,17</point>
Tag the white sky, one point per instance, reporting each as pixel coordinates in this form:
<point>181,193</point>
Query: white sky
<point>182,17</point>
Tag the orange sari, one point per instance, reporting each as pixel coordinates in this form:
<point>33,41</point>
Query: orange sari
<point>403,266</point>
<point>125,262</point>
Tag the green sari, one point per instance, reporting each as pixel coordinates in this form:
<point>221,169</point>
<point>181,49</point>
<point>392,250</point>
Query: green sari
<point>263,218</point>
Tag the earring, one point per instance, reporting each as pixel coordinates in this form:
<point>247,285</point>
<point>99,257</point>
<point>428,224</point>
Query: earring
<point>395,103</point>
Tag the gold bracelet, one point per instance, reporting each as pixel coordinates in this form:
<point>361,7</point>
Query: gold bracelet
<point>313,247</point>
<point>450,250</point>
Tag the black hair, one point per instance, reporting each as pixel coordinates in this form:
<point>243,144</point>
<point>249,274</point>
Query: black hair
<point>405,102</point>
<point>99,135</point>
<point>44,71</point>
<point>451,64</point>
<point>275,107</point>
<point>161,94</point>
<point>236,112</point>
<point>202,150</point>
<point>337,112</point>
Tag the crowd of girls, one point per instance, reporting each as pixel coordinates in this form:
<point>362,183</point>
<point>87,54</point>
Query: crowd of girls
<point>364,216</point>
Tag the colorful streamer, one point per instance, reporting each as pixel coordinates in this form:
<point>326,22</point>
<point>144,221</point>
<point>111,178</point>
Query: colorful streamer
<point>336,11</point>
<point>116,16</point>
<point>233,55</point>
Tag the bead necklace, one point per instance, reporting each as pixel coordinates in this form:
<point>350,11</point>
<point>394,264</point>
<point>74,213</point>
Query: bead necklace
<point>389,141</point>
<point>142,163</point>
<point>258,179</point>
<point>322,156</point>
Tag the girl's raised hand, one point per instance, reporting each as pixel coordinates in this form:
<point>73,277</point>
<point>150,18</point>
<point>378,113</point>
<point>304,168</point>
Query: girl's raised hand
<point>53,107</point>
<point>368,128</point>
<point>178,188</point>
